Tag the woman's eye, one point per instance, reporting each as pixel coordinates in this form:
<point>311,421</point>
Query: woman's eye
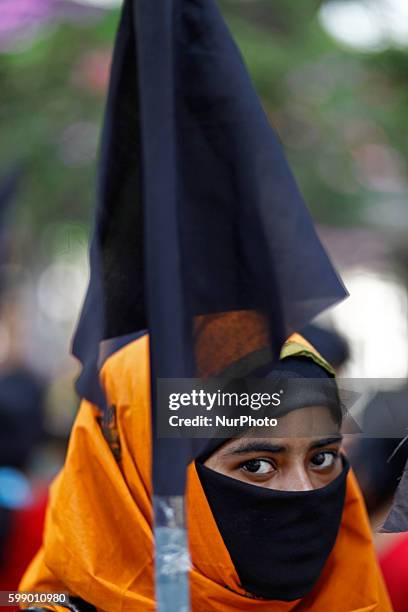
<point>257,466</point>
<point>324,459</point>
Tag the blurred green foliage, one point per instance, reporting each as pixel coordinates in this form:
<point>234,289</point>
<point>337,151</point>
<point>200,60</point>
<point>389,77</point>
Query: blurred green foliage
<point>341,116</point>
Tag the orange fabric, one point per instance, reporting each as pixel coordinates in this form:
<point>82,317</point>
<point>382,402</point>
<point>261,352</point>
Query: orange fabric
<point>98,541</point>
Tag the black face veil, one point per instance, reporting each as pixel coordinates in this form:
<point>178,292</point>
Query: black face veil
<point>201,234</point>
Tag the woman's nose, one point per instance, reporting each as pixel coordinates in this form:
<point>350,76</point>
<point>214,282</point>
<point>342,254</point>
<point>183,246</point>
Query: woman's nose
<point>298,479</point>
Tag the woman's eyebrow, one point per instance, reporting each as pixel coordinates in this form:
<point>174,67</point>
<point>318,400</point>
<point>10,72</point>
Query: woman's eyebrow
<point>326,441</point>
<point>259,447</point>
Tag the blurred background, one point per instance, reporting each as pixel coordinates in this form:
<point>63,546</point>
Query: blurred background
<point>332,76</point>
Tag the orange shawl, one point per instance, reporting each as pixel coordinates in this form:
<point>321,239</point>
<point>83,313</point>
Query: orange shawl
<point>98,542</point>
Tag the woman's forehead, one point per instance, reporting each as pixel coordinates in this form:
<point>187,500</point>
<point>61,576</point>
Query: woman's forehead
<point>302,428</point>
<point>313,421</point>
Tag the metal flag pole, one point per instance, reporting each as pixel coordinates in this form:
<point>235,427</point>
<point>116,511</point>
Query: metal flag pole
<point>154,28</point>
<point>172,557</point>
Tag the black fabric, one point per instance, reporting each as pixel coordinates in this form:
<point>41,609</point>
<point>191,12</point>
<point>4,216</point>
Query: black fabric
<point>378,468</point>
<point>278,541</point>
<point>330,344</point>
<point>305,384</point>
<point>381,463</point>
<point>198,214</point>
<point>74,604</point>
<point>397,519</point>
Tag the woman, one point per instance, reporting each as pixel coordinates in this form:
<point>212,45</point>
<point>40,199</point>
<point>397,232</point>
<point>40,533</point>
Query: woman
<point>274,524</point>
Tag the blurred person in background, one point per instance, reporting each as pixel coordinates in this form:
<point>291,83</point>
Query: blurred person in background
<point>22,394</point>
<point>378,465</point>
<point>22,501</point>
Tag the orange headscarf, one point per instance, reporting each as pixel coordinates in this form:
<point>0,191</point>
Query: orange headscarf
<point>98,540</point>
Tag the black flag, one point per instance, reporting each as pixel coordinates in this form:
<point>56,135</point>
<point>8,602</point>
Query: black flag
<point>201,234</point>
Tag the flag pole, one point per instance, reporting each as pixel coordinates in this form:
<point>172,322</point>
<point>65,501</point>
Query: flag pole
<point>154,27</point>
<point>172,562</point>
